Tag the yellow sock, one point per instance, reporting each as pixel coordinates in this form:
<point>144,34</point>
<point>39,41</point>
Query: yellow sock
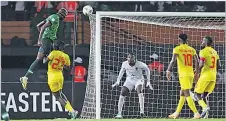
<point>68,106</point>
<point>191,104</point>
<point>202,103</point>
<point>180,104</point>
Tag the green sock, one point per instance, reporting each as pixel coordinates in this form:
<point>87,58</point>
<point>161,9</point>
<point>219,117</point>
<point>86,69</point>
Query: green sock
<point>33,66</point>
<point>4,114</point>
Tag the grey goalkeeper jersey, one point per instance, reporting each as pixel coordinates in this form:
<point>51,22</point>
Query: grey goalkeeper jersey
<point>134,72</point>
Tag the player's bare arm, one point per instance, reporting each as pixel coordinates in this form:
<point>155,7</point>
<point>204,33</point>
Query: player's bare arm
<point>67,65</point>
<point>148,75</point>
<point>218,64</point>
<point>48,58</point>
<point>196,58</point>
<point>67,68</point>
<point>122,70</point>
<point>201,64</point>
<point>172,62</point>
<point>43,27</point>
<point>45,60</point>
<point>39,25</point>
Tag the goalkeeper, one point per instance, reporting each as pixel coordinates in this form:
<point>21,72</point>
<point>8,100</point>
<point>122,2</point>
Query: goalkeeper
<point>134,78</point>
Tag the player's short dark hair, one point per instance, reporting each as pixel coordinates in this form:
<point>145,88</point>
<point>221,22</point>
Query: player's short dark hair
<point>183,37</point>
<point>59,45</point>
<point>132,54</point>
<point>209,40</point>
<point>63,12</point>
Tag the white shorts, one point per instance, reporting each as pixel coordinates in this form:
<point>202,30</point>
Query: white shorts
<point>130,84</point>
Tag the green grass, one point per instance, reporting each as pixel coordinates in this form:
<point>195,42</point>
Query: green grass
<point>211,119</point>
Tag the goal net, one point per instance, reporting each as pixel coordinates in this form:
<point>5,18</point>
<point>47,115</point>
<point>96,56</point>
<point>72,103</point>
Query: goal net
<point>146,34</point>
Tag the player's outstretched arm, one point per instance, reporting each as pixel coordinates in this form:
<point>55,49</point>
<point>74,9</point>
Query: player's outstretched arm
<point>201,64</point>
<point>148,75</point>
<point>218,64</point>
<point>48,58</point>
<point>45,60</point>
<point>122,70</point>
<point>196,58</point>
<point>172,62</point>
<point>67,63</point>
<point>67,68</point>
<point>39,25</point>
<point>43,27</point>
<point>201,61</point>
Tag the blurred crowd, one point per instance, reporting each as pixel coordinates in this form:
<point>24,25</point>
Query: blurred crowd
<point>26,10</point>
<point>36,11</point>
<point>161,6</point>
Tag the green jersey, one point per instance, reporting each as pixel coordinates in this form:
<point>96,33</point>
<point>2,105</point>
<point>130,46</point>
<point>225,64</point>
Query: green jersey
<point>51,31</point>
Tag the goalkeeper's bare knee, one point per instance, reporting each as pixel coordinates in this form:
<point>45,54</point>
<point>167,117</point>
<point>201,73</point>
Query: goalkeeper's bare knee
<point>124,91</point>
<point>139,89</point>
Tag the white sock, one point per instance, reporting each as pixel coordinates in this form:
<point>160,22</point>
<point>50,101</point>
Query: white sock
<point>120,104</point>
<point>141,101</point>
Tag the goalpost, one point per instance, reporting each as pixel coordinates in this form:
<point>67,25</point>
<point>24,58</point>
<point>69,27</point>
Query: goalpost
<point>114,34</point>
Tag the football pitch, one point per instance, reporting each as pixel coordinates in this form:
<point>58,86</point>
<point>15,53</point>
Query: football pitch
<point>211,119</point>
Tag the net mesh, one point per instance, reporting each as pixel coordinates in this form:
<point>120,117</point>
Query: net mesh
<point>144,36</point>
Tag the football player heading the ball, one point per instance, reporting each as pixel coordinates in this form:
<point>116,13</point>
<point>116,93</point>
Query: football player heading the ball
<point>47,35</point>
<point>134,78</point>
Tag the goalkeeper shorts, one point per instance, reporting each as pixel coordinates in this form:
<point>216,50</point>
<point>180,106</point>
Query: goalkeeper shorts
<point>130,84</point>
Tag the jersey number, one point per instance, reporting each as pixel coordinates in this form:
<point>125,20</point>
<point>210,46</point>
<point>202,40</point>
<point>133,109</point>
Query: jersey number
<point>58,64</point>
<point>187,59</point>
<point>213,62</point>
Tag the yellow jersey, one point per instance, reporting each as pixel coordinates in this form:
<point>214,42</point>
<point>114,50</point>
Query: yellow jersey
<point>185,55</point>
<point>57,61</point>
<point>210,57</point>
